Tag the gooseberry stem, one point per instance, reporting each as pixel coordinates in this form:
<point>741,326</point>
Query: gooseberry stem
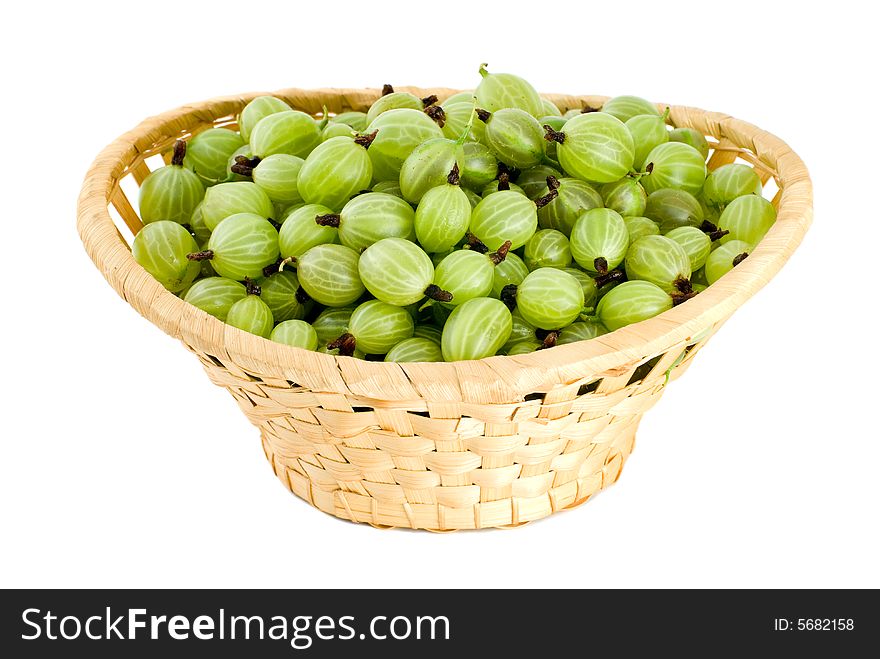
<point>251,287</point>
<point>284,262</point>
<point>483,70</point>
<point>547,198</point>
<point>501,253</point>
<point>454,177</point>
<point>550,340</point>
<point>437,114</point>
<point>610,276</point>
<point>366,140</point>
<point>345,344</point>
<point>329,220</point>
<point>503,182</point>
<point>387,89</point>
<point>475,244</point>
<point>713,231</point>
<point>588,108</point>
<point>179,153</point>
<point>244,165</point>
<point>553,135</point>
<point>483,115</point>
<point>600,264</point>
<point>508,296</point>
<point>430,100</point>
<point>434,292</point>
<point>678,298</point>
<point>683,285</point>
<point>739,258</point>
<point>204,255</point>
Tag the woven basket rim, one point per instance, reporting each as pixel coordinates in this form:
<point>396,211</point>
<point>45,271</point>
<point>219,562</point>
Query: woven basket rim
<point>525,373</point>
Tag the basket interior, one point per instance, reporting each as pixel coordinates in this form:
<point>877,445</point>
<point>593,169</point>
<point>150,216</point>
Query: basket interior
<point>573,374</point>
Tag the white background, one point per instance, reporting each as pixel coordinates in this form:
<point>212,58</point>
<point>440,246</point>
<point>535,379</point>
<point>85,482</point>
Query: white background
<point>121,465</point>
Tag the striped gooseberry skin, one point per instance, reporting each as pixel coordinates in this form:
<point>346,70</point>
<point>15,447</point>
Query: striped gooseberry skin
<point>748,218</point>
<point>431,332</point>
<point>160,248</point>
<point>170,193</point>
<point>291,131</point>
<point>504,215</point>
<point>354,119</point>
<point>225,199</point>
<point>625,107</point>
<point>674,208</point>
<point>599,233</point>
<point>197,225</point>
<point>473,198</point>
<point>572,199</point>
<point>549,108</point>
<point>336,130</point>
<point>329,274</point>
<point>492,188</point>
<point>696,244</point>
<point>243,244</point>
<point>215,295</point>
<point>638,226</point>
<point>588,285</point>
<point>458,115</point>
<point>533,182</point>
<point>581,331</point>
<point>597,147</point>
<point>334,172</point>
<point>393,101</point>
<point>730,181</point>
<point>400,131</point>
<point>279,293</point>
<point>632,302</point>
<point>520,330</point>
<point>721,260</point>
<point>296,333</point>
<point>377,326</point>
<point>506,90</point>
<point>396,271</point>
<point>550,298</point>
<point>466,274</point>
<point>388,187</point>
<point>512,270</point>
<point>415,349</point>
<point>300,231</point>
<point>257,109</point>
<point>523,348</point>
<point>692,137</point>
<point>626,196</point>
<point>208,153</point>
<point>659,260</point>
<point>331,323</point>
<point>674,165</point>
<point>442,218</point>
<point>428,166</point>
<point>515,137</point>
<point>476,329</point>
<point>547,248</point>
<point>277,175</point>
<point>251,315</point>
<point>370,217</point>
<point>479,166</point>
<point>648,131</point>
<point>458,97</point>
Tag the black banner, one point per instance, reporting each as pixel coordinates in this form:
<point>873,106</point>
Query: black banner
<point>318,623</point>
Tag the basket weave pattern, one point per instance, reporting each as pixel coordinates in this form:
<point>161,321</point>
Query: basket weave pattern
<point>464,445</point>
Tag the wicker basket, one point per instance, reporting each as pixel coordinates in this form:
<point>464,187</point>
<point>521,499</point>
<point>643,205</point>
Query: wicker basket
<point>466,445</point>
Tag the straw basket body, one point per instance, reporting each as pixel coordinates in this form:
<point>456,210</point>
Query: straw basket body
<point>464,445</point>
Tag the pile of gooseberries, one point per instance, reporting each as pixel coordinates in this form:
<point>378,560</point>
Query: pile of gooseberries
<point>427,229</point>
